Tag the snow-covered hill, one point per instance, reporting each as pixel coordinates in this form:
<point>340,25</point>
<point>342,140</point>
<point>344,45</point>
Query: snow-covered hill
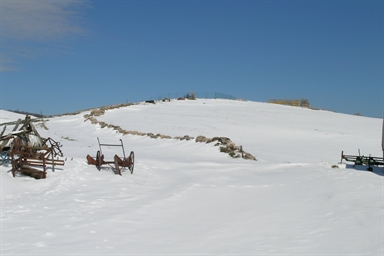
<point>188,198</point>
<point>8,116</point>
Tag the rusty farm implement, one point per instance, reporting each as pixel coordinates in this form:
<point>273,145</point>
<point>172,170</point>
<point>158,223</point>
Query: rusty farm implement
<point>34,160</point>
<point>117,163</point>
<point>28,152</point>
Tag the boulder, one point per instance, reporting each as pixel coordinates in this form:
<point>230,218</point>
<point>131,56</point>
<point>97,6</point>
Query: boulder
<point>201,139</point>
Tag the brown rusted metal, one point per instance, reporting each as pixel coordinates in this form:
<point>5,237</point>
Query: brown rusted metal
<point>90,160</point>
<point>26,149</point>
<point>25,159</point>
<point>56,146</point>
<point>118,163</point>
<point>127,162</point>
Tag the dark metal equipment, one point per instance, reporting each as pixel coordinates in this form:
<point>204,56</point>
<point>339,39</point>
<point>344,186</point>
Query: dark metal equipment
<point>363,160</point>
<point>366,160</point>
<point>118,163</point>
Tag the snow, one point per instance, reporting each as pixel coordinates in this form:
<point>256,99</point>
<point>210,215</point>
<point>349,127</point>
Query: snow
<point>188,198</point>
<point>7,116</point>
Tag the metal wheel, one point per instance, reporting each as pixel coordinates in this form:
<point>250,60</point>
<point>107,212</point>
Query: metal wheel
<point>132,162</point>
<point>117,168</point>
<point>98,160</point>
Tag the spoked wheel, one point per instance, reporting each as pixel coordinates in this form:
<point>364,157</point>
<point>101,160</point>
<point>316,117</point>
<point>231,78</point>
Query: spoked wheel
<point>99,161</point>
<point>131,161</point>
<point>117,167</point>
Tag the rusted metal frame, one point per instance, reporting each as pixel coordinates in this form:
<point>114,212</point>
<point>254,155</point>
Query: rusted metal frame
<point>13,161</point>
<point>25,160</point>
<point>111,145</point>
<point>54,145</point>
<point>126,162</point>
<point>115,161</point>
<point>49,153</point>
<point>29,157</point>
<point>123,163</point>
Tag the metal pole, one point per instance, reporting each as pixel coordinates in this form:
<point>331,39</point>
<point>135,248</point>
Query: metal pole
<point>382,139</point>
<point>99,146</point>
<point>122,147</point>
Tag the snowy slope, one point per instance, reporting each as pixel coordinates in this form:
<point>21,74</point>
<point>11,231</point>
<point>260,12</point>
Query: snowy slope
<point>8,116</point>
<point>290,134</point>
<point>188,198</point>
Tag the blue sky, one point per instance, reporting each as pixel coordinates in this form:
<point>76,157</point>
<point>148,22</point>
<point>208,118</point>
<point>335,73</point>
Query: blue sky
<point>64,56</point>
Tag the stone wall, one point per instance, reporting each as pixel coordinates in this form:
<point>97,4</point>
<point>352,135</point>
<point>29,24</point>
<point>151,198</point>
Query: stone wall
<point>225,144</point>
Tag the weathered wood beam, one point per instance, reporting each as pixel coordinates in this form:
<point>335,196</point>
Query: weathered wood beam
<point>1,134</point>
<point>17,125</point>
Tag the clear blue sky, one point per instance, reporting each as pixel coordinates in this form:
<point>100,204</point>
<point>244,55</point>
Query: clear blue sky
<point>63,56</point>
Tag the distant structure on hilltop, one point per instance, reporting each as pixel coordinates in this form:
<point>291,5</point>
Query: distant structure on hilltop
<point>296,103</point>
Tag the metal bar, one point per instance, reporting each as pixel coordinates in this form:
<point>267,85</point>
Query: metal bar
<point>99,146</point>
<point>123,148</point>
<point>44,167</point>
<point>110,145</point>
<point>13,165</point>
<point>53,161</point>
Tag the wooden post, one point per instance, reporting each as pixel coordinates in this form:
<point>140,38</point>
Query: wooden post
<point>34,129</point>
<point>1,134</point>
<point>17,125</point>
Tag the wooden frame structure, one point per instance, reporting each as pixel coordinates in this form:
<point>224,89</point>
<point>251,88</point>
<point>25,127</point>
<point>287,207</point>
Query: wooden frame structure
<point>27,151</point>
<point>25,160</point>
